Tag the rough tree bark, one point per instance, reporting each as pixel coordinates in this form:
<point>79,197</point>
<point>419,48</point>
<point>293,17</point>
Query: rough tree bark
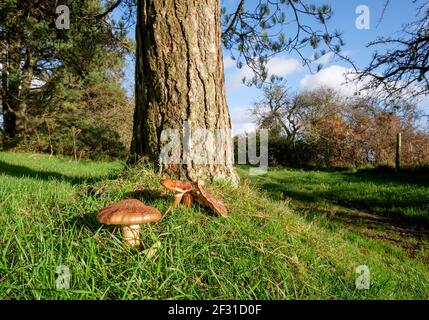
<point>180,77</point>
<point>16,81</point>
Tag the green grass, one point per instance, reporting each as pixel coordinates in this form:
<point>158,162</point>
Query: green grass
<point>405,195</point>
<point>266,249</point>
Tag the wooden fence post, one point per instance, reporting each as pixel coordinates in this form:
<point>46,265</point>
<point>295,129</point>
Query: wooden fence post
<point>398,153</point>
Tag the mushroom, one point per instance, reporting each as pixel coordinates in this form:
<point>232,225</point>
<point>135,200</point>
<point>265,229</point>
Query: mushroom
<point>187,199</point>
<point>206,199</point>
<point>130,214</point>
<point>179,187</point>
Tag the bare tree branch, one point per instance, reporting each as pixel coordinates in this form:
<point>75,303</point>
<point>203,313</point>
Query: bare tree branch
<point>109,10</point>
<point>386,4</point>
<point>402,69</point>
<point>255,35</point>
<point>234,19</point>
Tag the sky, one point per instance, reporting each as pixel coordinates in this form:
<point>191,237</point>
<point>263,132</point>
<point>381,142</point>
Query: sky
<point>240,97</point>
<point>399,12</point>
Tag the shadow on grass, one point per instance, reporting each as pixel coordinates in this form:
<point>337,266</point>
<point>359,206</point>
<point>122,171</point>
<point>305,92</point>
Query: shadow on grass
<point>18,171</point>
<point>85,221</point>
<point>146,195</point>
<point>412,208</point>
<point>419,177</point>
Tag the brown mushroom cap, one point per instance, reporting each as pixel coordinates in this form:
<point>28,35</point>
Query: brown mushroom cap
<point>206,199</point>
<point>177,185</point>
<point>128,212</point>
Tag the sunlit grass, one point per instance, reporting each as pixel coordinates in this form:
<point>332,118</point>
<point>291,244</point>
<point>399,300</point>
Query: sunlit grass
<point>264,250</point>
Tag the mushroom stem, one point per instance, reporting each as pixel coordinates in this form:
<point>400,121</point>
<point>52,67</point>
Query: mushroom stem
<point>187,200</point>
<point>132,235</point>
<point>177,200</point>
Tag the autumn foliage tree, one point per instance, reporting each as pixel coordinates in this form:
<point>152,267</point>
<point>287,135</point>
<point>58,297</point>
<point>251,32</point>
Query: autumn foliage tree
<point>332,130</point>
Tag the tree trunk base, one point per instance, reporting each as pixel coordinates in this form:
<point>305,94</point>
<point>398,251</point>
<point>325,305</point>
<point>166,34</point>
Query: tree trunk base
<point>180,80</point>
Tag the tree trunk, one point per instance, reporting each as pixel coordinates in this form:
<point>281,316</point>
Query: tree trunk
<point>15,86</point>
<point>180,82</point>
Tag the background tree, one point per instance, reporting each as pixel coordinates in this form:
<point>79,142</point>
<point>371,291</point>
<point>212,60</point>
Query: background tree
<point>277,112</point>
<point>401,67</point>
<point>55,80</point>
<point>325,129</point>
<point>289,115</point>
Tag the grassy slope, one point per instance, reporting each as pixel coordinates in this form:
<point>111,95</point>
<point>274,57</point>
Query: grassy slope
<point>405,195</point>
<point>264,250</point>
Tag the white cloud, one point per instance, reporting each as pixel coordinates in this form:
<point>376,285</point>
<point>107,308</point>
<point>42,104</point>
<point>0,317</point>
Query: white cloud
<point>243,128</point>
<point>242,120</point>
<point>348,53</point>
<point>279,66</point>
<point>329,57</point>
<point>235,80</point>
<point>331,77</point>
<point>326,58</point>
<point>241,114</point>
<point>228,62</point>
<point>282,66</point>
<point>334,77</point>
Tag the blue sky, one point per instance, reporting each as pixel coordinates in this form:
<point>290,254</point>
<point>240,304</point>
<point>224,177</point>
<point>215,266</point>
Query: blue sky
<point>241,98</point>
